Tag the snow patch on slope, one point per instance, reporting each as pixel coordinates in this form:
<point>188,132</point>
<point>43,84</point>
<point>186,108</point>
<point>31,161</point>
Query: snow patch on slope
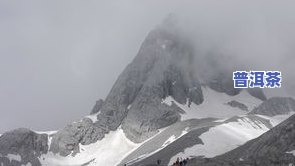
<point>129,106</point>
<point>224,137</point>
<point>292,152</point>
<point>46,132</point>
<point>170,140</point>
<point>275,120</point>
<point>108,152</point>
<point>93,117</point>
<point>173,138</point>
<point>14,157</point>
<point>214,105</point>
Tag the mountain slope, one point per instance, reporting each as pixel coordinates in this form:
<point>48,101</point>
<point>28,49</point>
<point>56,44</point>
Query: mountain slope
<point>22,146</point>
<point>273,148</point>
<point>217,139</point>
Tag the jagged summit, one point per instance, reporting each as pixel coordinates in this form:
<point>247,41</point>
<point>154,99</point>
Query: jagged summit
<point>97,107</point>
<point>163,67</point>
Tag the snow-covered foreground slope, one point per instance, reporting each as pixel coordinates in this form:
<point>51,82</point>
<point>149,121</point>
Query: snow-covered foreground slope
<point>108,152</point>
<point>273,148</point>
<point>215,105</point>
<point>231,134</point>
<point>225,137</point>
<point>169,142</point>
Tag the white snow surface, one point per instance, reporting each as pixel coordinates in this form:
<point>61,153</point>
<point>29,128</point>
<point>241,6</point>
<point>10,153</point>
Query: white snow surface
<point>49,142</point>
<point>46,132</point>
<point>275,120</point>
<point>292,152</point>
<point>129,106</point>
<point>214,105</point>
<point>93,117</point>
<point>170,140</point>
<point>108,152</point>
<point>173,138</point>
<point>15,157</point>
<point>223,138</point>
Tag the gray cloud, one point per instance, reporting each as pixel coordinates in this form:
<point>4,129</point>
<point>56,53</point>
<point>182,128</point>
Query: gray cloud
<point>58,57</point>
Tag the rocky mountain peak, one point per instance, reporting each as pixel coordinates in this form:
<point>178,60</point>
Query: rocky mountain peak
<point>164,67</point>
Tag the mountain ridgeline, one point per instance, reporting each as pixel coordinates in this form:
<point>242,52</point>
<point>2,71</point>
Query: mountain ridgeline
<point>163,67</point>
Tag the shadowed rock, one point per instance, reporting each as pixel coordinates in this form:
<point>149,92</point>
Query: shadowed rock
<point>275,106</point>
<point>97,107</point>
<point>24,143</point>
<point>237,104</point>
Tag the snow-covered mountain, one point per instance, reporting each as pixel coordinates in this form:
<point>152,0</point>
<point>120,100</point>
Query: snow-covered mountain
<point>160,108</point>
<point>208,139</point>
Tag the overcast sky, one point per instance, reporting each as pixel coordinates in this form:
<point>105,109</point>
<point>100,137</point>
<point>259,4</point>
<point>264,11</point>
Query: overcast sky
<point>58,57</point>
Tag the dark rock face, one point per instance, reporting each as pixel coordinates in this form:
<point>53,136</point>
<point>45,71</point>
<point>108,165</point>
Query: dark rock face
<point>258,93</point>
<point>181,84</point>
<point>97,107</point>
<point>222,82</point>
<point>25,143</point>
<point>237,104</point>
<point>171,75</point>
<point>275,106</point>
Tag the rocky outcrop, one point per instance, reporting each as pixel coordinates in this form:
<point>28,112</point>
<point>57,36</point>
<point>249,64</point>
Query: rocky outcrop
<point>257,92</point>
<point>222,82</point>
<point>97,107</point>
<point>67,140</point>
<point>275,106</point>
<point>237,104</point>
<point>25,144</point>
